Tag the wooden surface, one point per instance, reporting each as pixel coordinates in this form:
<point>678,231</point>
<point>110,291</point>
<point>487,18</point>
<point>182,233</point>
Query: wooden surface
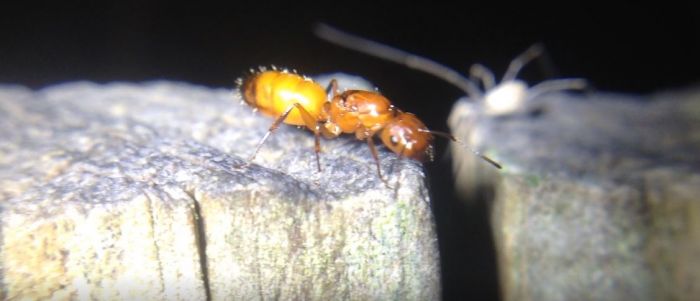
<point>598,199</point>
<point>136,191</point>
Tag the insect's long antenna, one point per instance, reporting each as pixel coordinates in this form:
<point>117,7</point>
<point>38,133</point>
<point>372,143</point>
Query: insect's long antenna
<point>521,60</point>
<point>454,139</point>
<point>398,56</point>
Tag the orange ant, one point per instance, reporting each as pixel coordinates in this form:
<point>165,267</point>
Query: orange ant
<point>365,113</point>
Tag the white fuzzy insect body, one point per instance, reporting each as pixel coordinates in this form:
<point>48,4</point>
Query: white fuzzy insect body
<point>505,98</point>
<point>512,95</point>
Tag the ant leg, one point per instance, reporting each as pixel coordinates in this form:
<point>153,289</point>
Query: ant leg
<point>482,74</point>
<point>314,125</point>
<point>393,164</point>
<point>518,62</point>
<point>273,127</point>
<point>557,85</point>
<point>317,145</point>
<point>373,149</point>
<point>332,89</point>
<point>310,122</point>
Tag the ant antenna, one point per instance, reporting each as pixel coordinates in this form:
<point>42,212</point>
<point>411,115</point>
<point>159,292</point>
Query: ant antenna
<point>454,139</point>
<point>398,56</point>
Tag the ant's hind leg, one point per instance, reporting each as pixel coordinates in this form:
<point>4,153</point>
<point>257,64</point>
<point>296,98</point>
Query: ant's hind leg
<point>310,123</point>
<point>272,128</point>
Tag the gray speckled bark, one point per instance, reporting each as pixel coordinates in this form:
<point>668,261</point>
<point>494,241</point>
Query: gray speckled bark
<point>599,196</point>
<point>136,191</point>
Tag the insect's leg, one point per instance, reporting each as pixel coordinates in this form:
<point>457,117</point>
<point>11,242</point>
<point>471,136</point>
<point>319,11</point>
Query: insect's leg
<point>480,73</point>
<point>332,89</point>
<point>398,173</point>
<point>272,128</point>
<point>314,125</point>
<point>521,60</point>
<point>557,85</point>
<point>375,155</point>
<point>317,145</point>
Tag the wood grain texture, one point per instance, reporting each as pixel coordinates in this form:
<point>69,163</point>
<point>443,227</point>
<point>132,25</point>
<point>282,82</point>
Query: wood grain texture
<point>136,191</point>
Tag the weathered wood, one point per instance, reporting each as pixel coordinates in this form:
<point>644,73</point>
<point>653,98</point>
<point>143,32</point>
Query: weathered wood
<point>599,196</point>
<point>137,191</point>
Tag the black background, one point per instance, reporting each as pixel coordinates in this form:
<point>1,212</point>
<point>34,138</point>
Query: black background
<point>628,48</point>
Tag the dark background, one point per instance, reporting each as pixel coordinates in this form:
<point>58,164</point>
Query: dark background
<point>627,48</point>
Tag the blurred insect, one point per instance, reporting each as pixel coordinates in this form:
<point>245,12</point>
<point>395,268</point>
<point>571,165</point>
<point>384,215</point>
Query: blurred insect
<point>297,100</point>
<point>511,94</point>
<point>506,97</point>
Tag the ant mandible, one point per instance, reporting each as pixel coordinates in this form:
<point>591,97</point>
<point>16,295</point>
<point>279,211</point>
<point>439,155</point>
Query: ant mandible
<point>505,97</point>
<point>298,100</point>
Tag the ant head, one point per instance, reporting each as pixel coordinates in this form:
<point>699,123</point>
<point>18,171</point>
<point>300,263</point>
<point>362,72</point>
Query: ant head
<point>407,136</point>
